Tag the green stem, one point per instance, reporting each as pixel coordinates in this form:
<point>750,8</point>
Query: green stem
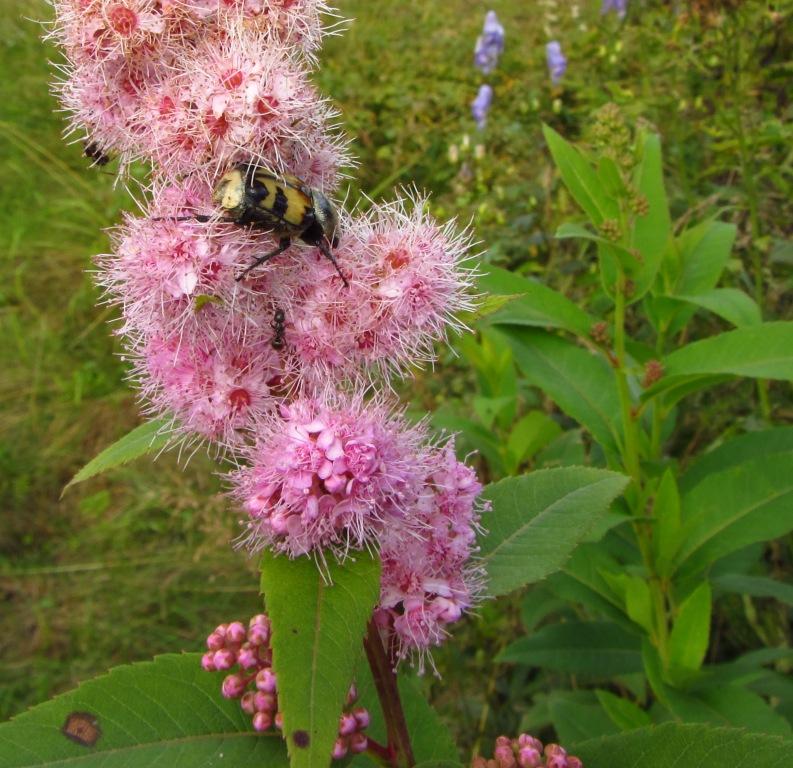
<point>399,748</point>
<point>630,451</point>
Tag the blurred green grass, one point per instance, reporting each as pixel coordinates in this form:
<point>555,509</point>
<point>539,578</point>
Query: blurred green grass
<point>139,562</point>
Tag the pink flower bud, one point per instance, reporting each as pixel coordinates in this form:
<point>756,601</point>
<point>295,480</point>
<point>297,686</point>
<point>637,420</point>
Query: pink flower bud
<point>347,724</point>
<point>265,680</point>
<point>233,686</point>
<point>224,659</point>
<point>248,657</point>
<point>358,743</point>
<point>352,695</point>
<point>339,749</point>
<point>264,702</point>
<point>529,757</point>
<point>262,721</point>
<point>361,717</point>
<point>279,720</point>
<point>247,702</point>
<point>235,633</point>
<point>216,641</point>
<point>208,662</point>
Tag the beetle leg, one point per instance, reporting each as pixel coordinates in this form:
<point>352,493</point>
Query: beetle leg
<point>283,244</point>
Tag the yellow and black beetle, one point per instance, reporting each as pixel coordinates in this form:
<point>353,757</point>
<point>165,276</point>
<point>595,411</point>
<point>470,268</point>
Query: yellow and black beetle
<point>282,204</point>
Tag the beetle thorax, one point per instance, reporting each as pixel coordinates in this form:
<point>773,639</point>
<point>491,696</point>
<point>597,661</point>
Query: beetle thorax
<point>229,194</point>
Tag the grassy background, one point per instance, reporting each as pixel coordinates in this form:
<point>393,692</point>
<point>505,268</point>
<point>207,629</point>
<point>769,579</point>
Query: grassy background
<point>139,562</point>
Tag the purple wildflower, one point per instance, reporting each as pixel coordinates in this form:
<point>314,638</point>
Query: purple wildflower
<point>490,44</point>
<point>620,7</point>
<point>557,63</point>
<point>481,104</point>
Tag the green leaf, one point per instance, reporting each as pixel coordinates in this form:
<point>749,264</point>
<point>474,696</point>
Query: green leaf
<point>638,602</point>
<point>651,231</point>
<point>597,649</point>
<point>695,746</point>
<point>537,305</point>
<point>580,179</point>
<point>756,586</point>
<point>666,514</point>
<point>167,711</point>
<point>576,715</point>
<point>581,384</point>
<point>530,434</point>
<point>729,510</point>
<point>622,712</point>
<point>318,624</point>
<point>737,451</point>
<point>734,306</point>
<point>538,519</point>
<point>688,641</point>
<point>705,250</point>
<point>760,351</point>
<point>146,438</point>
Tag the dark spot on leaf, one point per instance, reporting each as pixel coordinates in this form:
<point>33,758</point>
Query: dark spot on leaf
<point>82,728</point>
<point>294,630</point>
<point>301,739</point>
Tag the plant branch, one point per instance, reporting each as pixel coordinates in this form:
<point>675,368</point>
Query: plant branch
<point>399,749</point>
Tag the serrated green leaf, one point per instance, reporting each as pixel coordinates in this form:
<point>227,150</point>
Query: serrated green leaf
<point>538,519</point>
<point>581,384</point>
<point>167,711</point>
<point>538,305</point>
<point>580,179</point>
<point>598,649</point>
<point>696,746</point>
<point>688,641</point>
<point>729,510</point>
<point>146,438</point>
<point>318,624</point>
<point>622,712</point>
<point>760,351</point>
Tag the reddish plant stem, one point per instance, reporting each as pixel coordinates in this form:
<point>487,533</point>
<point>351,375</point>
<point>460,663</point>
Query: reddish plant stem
<point>400,753</point>
<point>381,752</point>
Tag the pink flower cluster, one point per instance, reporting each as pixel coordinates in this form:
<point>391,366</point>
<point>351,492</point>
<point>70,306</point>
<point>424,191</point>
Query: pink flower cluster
<point>196,83</point>
<point>526,752</point>
<point>428,579</point>
<point>274,368</point>
<point>255,685</point>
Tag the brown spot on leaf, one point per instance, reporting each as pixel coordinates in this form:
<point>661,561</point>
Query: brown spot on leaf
<point>82,728</point>
<point>301,739</point>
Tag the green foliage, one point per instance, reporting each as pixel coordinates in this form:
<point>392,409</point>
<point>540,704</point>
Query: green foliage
<point>149,437</point>
<point>699,746</point>
<point>538,519</point>
<point>319,618</point>
<point>165,710</point>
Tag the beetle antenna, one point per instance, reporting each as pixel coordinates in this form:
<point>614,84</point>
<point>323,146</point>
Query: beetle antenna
<point>323,246</point>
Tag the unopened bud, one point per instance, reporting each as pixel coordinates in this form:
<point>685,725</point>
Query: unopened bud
<point>358,743</point>
<point>233,686</point>
<point>235,633</point>
<point>262,721</point>
<point>265,680</point>
<point>224,659</point>
<point>339,749</point>
<point>653,371</point>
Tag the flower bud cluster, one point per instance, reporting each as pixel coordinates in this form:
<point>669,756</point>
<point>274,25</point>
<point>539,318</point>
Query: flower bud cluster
<point>254,683</point>
<point>526,752</point>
